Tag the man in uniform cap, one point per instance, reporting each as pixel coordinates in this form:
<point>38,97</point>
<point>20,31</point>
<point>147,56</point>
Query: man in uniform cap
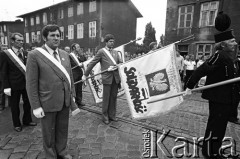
<point>223,100</point>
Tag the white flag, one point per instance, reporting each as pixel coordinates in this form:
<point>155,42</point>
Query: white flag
<point>151,77</point>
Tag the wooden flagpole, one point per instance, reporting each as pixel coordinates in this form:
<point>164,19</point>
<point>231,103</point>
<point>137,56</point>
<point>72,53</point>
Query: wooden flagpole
<point>199,89</point>
<point>106,69</point>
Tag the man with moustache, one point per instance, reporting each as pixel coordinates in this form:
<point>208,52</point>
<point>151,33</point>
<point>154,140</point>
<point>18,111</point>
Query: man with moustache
<point>50,89</point>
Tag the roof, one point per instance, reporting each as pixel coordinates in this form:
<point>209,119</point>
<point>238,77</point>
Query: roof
<point>132,6</point>
<point>23,15</point>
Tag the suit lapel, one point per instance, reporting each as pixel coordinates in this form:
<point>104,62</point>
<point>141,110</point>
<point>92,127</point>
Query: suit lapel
<point>58,72</point>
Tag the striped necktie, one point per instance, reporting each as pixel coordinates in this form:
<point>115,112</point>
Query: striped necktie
<point>55,55</point>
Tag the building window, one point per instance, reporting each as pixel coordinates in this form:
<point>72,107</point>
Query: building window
<point>38,39</point>
<point>208,13</point>
<point>27,37</point>
<point>62,33</point>
<point>2,40</point>
<point>204,50</point>
<point>70,32</point>
<point>26,22</point>
<point>185,16</point>
<point>6,40</point>
<point>37,19</point>
<point>80,31</point>
<point>92,5</point>
<point>70,11</point>
<point>92,29</point>
<point>183,49</point>
<point>4,28</point>
<point>33,37</point>
<point>44,18</point>
<point>60,13</point>
<point>1,30</point>
<point>32,21</point>
<point>51,16</point>
<point>80,8</point>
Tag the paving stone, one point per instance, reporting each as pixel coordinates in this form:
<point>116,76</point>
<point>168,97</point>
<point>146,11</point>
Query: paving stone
<point>100,139</point>
<point>96,151</point>
<point>18,155</point>
<point>4,141</point>
<point>134,154</point>
<point>31,155</point>
<point>96,157</point>
<point>83,151</point>
<point>85,145</point>
<point>10,145</point>
<point>132,147</point>
<point>36,147</point>
<point>21,148</point>
<point>95,145</point>
<point>93,130</point>
<point>109,153</point>
<point>108,145</point>
<point>41,155</point>
<point>4,154</point>
<point>84,156</point>
<point>91,138</point>
<point>120,146</point>
<point>111,139</point>
<point>111,131</point>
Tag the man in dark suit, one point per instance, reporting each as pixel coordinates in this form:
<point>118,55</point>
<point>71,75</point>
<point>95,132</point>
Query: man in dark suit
<point>223,100</point>
<point>50,90</point>
<point>2,95</point>
<point>108,59</point>
<point>13,80</point>
<point>77,63</point>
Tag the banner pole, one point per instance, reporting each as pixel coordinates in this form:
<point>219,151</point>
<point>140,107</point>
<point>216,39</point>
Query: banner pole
<point>198,89</point>
<point>184,39</point>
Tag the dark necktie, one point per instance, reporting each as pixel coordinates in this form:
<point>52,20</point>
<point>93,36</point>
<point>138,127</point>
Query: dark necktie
<point>55,55</point>
<point>20,56</point>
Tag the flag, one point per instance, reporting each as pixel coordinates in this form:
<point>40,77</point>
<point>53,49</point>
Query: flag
<point>150,77</point>
<point>121,52</point>
<point>95,83</point>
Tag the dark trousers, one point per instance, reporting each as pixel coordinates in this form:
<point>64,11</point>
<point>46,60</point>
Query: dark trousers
<point>78,90</point>
<point>216,127</point>
<point>109,100</point>
<point>55,133</point>
<point>14,101</point>
<point>188,75</point>
<point>2,100</point>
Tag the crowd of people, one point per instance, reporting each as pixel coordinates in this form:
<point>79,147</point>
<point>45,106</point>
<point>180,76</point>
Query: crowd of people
<point>45,77</point>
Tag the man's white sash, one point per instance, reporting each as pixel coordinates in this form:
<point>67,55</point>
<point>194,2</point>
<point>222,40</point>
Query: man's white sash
<point>16,59</point>
<point>110,56</point>
<point>55,62</point>
<point>75,59</point>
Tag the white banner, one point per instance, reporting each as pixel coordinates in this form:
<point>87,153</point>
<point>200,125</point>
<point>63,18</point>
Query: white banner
<point>95,83</point>
<point>149,77</point>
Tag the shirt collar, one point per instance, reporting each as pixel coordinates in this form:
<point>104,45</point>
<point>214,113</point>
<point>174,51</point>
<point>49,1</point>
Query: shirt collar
<point>50,50</point>
<point>15,50</point>
<point>109,49</point>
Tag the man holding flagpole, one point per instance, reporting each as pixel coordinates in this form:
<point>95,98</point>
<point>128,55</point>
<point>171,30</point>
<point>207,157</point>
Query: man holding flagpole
<point>223,100</point>
<point>108,59</point>
<point>13,70</point>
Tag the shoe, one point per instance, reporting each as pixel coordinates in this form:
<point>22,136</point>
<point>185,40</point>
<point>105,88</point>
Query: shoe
<point>82,104</point>
<point>106,122</point>
<point>113,119</point>
<point>31,124</point>
<point>18,129</point>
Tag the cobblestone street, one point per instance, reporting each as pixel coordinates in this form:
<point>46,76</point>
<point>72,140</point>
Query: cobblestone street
<point>90,138</point>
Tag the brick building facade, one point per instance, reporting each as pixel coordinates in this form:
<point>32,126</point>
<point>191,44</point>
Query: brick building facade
<point>187,17</point>
<point>84,22</point>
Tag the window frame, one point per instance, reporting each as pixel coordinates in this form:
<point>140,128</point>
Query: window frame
<point>92,24</point>
<point>203,53</point>
<point>80,8</point>
<point>80,31</point>
<point>70,32</point>
<point>208,14</point>
<point>61,33</point>
<point>92,6</point>
<point>185,16</point>
<point>70,11</point>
